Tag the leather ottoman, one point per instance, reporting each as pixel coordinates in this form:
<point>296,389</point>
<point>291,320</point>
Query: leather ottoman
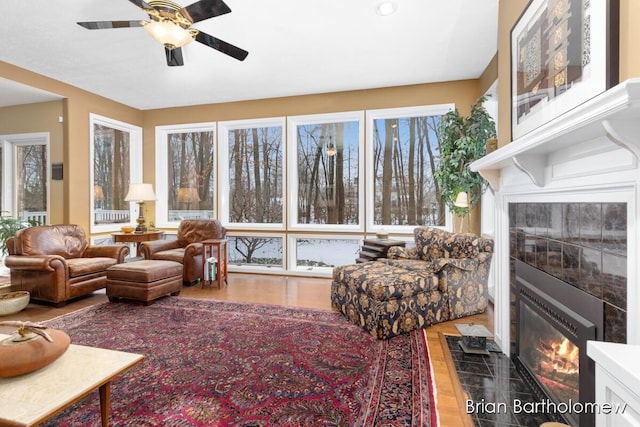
<point>144,280</point>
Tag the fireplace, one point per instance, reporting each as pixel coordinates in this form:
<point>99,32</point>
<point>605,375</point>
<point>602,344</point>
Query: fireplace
<point>554,321</point>
<point>566,202</point>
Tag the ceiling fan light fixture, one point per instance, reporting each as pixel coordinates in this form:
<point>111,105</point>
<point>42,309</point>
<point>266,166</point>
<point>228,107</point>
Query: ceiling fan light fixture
<point>386,8</point>
<point>170,34</point>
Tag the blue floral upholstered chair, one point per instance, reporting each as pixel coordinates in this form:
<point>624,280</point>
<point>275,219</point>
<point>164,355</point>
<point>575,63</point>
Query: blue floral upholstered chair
<point>444,277</point>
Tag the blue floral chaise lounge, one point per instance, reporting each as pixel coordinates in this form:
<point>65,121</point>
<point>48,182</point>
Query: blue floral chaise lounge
<point>443,277</point>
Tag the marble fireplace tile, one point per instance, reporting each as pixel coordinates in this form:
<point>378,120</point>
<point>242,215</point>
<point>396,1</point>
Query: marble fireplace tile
<point>530,217</point>
<point>512,214</point>
<point>571,263</point>
<point>541,211</point>
<point>591,225</point>
<point>591,272</point>
<point>554,258</point>
<point>520,244</point>
<point>542,249</point>
<point>555,221</point>
<point>615,324</point>
<point>614,280</point>
<point>571,222</point>
<point>529,254</point>
<point>520,215</point>
<point>614,228</point>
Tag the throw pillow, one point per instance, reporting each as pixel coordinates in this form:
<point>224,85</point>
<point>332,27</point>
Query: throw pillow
<point>435,243</point>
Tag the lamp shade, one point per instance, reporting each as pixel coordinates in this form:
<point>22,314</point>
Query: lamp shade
<point>462,200</point>
<point>140,192</point>
<point>188,195</point>
<point>98,194</point>
<point>169,33</point>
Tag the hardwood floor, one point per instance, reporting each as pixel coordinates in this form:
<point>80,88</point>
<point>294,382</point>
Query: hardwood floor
<point>296,292</point>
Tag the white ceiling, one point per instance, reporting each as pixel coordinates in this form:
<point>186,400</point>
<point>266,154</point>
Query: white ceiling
<point>295,47</point>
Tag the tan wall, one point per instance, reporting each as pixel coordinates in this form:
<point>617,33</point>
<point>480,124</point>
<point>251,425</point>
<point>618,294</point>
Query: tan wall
<point>510,11</point>
<point>35,118</point>
<point>489,75</point>
<point>629,37</point>
<point>70,197</point>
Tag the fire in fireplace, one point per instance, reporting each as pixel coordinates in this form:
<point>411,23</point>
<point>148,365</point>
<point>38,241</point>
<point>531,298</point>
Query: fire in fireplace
<point>554,321</point>
<point>550,356</point>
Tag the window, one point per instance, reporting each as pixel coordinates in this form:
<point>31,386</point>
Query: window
<point>116,161</point>
<point>261,251</point>
<point>403,153</point>
<point>347,175</point>
<point>325,188</point>
<point>322,253</point>
<point>24,164</point>
<point>185,172</point>
<point>253,173</point>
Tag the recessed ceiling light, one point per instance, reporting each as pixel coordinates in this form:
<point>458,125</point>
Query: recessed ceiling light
<point>386,8</point>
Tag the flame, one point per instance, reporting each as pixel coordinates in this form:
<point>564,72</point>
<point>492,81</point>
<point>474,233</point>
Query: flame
<point>564,356</point>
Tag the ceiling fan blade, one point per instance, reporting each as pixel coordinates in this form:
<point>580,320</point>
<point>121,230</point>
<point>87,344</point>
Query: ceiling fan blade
<point>102,25</point>
<point>141,4</point>
<point>222,46</point>
<point>205,9</point>
<point>174,57</point>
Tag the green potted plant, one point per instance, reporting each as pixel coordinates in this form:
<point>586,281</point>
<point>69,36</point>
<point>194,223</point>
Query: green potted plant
<point>462,141</point>
<point>9,227</point>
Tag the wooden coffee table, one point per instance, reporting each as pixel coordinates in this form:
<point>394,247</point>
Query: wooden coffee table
<point>30,399</point>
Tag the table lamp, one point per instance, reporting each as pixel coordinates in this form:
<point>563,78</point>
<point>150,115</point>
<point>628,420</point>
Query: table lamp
<point>462,201</point>
<point>140,193</point>
<point>188,195</point>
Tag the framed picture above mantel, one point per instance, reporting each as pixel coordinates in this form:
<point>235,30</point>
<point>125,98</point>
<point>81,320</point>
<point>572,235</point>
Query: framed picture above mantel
<point>563,53</point>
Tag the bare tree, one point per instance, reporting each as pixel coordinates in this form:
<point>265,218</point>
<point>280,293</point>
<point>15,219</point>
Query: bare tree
<point>387,171</point>
<point>247,247</point>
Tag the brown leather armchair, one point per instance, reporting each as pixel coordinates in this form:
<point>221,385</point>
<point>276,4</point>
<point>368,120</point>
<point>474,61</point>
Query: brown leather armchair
<point>187,248</point>
<point>55,263</point>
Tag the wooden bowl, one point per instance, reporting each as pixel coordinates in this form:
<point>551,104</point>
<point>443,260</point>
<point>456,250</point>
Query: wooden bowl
<point>127,229</point>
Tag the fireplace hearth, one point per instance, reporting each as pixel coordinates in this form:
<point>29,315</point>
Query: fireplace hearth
<point>554,321</point>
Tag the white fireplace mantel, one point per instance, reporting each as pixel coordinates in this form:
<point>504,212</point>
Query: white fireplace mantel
<point>614,114</point>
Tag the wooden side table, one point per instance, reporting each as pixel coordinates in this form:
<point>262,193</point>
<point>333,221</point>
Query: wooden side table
<point>221,253</point>
<point>137,238</point>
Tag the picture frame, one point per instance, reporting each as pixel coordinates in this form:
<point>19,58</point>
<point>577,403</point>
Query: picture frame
<point>563,53</point>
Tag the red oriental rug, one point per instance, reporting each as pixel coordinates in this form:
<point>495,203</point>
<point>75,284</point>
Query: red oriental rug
<point>211,363</point>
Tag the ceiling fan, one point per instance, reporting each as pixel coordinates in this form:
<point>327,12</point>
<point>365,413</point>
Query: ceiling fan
<point>170,24</point>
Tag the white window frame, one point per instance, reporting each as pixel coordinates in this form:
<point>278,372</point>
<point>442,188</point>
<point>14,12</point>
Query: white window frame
<point>162,154</point>
<point>259,268</point>
<point>292,148</point>
<point>292,254</point>
<point>392,113</point>
<point>135,166</point>
<point>9,144</point>
<point>223,177</point>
